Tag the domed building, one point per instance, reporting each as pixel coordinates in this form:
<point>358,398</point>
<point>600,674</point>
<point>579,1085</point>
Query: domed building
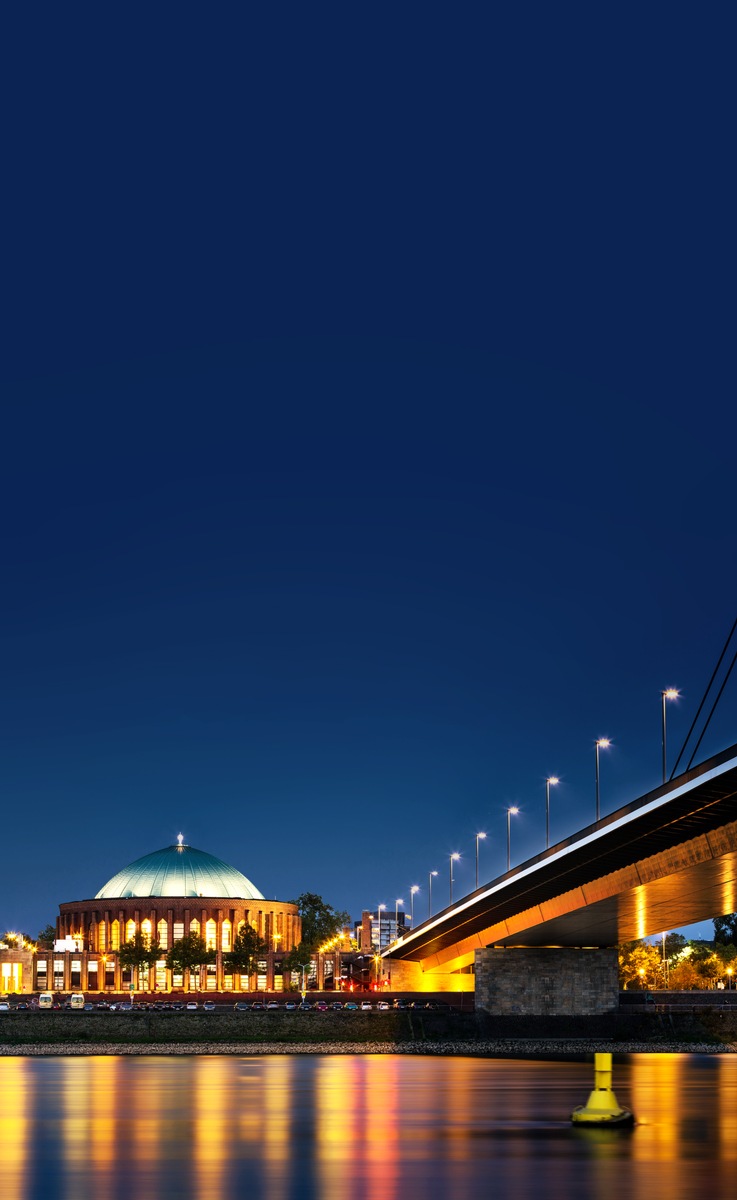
<point>164,896</point>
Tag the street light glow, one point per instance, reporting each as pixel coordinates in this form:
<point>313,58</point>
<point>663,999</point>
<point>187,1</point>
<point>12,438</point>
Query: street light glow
<point>553,779</point>
<point>603,742</point>
<point>671,693</point>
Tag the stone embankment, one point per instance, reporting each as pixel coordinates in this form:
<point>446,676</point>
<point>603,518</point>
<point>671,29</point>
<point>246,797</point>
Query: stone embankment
<point>454,1033</point>
<point>525,1048</point>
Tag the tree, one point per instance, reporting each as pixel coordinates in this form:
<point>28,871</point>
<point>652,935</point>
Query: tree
<point>187,954</point>
<point>641,965</point>
<point>243,958</point>
<point>684,977</point>
<point>320,921</point>
<point>47,936</point>
<point>139,952</point>
<point>725,930</point>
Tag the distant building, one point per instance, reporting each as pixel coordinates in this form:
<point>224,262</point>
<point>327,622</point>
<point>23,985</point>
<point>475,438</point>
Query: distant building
<point>378,929</point>
<point>163,896</point>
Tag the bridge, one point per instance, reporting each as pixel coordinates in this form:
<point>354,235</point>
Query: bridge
<point>542,937</point>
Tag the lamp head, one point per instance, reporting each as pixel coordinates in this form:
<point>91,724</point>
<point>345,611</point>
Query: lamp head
<point>481,835</point>
<point>671,693</point>
<point>513,809</point>
<point>603,743</point>
<point>553,779</point>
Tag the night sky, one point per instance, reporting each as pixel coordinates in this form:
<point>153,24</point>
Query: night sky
<point>368,434</point>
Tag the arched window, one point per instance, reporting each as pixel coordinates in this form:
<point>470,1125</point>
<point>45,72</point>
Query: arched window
<point>194,926</point>
<point>115,935</point>
<point>130,931</point>
<point>211,935</point>
<point>101,936</point>
<point>225,941</point>
<point>146,930</point>
<point>163,933</point>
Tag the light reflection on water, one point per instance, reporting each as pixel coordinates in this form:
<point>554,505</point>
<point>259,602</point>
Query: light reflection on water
<point>378,1127</point>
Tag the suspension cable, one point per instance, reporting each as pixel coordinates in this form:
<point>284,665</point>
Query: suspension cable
<point>703,701</point>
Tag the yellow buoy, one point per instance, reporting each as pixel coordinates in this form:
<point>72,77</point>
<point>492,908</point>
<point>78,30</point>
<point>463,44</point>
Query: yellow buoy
<point>602,1108</point>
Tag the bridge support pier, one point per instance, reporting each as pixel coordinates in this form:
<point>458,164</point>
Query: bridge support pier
<point>547,981</point>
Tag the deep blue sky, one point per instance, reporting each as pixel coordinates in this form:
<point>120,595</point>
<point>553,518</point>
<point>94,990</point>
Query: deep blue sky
<point>368,446</point>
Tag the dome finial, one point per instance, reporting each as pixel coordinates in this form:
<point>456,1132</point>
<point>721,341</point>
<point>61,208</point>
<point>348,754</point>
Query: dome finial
<point>180,839</point>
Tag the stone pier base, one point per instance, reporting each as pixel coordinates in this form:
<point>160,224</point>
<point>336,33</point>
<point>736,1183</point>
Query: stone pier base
<point>549,981</point>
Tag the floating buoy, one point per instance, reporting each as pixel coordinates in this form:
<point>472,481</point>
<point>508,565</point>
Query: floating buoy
<point>602,1108</point>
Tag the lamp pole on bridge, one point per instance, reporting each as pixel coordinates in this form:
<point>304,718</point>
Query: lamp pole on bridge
<point>479,836</point>
<point>412,893</point>
<point>551,779</point>
<point>429,893</point>
<point>453,858</point>
<point>510,811</point>
<point>396,919</point>
<point>602,744</point>
<point>668,694</point>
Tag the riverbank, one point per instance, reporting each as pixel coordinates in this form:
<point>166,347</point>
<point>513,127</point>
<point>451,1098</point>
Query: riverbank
<point>522,1048</point>
<point>231,1032</point>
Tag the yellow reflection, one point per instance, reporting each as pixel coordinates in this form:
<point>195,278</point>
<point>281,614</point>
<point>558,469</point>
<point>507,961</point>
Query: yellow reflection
<point>276,1135</point>
<point>212,1124</point>
<point>14,1125</point>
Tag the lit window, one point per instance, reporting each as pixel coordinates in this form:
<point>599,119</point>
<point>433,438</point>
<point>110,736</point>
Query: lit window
<point>115,935</point>
<point>163,934</point>
<point>211,935</point>
<point>226,936</point>
<point>130,931</point>
<point>194,926</point>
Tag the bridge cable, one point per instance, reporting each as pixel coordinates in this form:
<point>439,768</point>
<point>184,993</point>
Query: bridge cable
<point>703,700</point>
<point>706,726</point>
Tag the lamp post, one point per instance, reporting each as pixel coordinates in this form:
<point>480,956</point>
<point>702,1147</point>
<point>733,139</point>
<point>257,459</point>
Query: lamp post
<point>510,811</point>
<point>379,909</point>
<point>429,893</point>
<point>602,744</point>
<point>412,893</point>
<point>453,858</point>
<point>665,963</point>
<point>668,694</point>
<point>396,918</point>
<point>479,837</point>
<point>552,779</point>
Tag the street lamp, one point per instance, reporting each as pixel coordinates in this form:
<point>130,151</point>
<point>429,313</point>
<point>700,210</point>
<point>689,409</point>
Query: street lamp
<point>412,893</point>
<point>429,893</point>
<point>479,837</point>
<point>453,858</point>
<point>510,811</point>
<point>379,909</point>
<point>602,744</point>
<point>665,963</point>
<point>396,918</point>
<point>668,694</point>
<point>552,779</point>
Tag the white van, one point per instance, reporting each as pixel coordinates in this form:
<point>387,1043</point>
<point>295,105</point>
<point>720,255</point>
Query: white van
<point>45,1000</point>
<point>77,999</point>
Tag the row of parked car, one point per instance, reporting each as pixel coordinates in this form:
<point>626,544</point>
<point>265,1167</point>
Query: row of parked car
<point>239,1006</point>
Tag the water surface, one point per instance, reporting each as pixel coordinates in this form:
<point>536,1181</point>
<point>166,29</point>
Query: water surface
<point>368,1127</point>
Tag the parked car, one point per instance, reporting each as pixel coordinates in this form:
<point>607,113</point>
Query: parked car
<point>305,1006</point>
<point>383,1006</point>
<point>336,1006</point>
<point>4,1006</point>
<point>291,1005</point>
<point>351,1006</point>
<point>321,1006</point>
<point>209,1006</point>
<point>272,1005</point>
<point>241,1006</point>
<point>257,1006</point>
<point>192,1006</point>
<point>366,1006</point>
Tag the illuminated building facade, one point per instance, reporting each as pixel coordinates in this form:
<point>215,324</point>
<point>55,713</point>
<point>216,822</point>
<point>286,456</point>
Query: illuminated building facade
<point>164,897</point>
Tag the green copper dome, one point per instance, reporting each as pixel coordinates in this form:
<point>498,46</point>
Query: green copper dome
<point>179,871</point>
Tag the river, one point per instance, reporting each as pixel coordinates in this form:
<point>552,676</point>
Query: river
<point>364,1127</point>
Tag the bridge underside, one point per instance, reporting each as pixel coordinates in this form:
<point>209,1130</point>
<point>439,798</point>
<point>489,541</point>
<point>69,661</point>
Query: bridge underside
<point>666,860</point>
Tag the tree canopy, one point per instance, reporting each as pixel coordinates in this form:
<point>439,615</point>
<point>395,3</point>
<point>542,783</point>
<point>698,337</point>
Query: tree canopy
<point>188,953</point>
<point>320,921</point>
<point>725,930</point>
<point>243,958</point>
<point>139,952</point>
